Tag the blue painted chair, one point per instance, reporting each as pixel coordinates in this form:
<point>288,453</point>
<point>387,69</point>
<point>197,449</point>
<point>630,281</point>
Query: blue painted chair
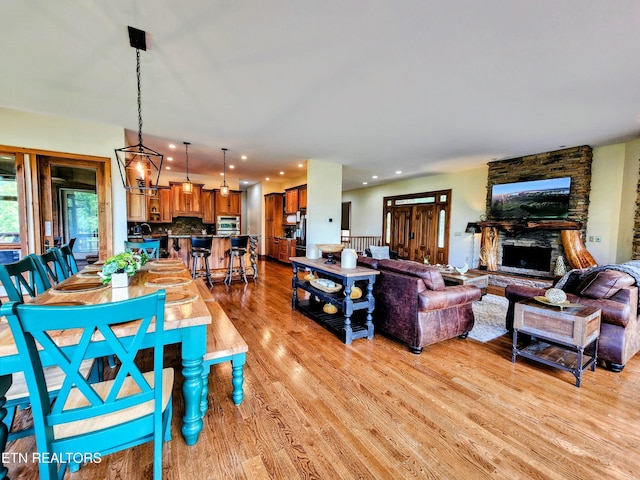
<point>66,251</point>
<point>27,276</point>
<point>101,418</point>
<point>150,247</point>
<point>13,279</point>
<point>54,265</point>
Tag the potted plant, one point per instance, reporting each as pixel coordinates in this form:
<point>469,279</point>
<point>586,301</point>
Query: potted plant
<point>120,267</point>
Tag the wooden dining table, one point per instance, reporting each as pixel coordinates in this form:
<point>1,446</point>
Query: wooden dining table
<point>186,320</point>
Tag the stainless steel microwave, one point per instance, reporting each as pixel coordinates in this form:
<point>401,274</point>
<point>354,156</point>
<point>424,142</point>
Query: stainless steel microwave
<point>227,224</point>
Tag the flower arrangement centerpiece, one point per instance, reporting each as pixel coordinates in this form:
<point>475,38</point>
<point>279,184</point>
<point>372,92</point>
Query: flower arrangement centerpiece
<point>122,266</point>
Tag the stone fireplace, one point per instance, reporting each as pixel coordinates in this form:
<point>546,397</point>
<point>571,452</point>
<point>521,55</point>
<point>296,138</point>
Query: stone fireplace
<point>532,247</point>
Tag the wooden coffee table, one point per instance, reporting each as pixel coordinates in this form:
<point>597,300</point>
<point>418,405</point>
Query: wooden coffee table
<point>558,337</point>
<point>480,280</point>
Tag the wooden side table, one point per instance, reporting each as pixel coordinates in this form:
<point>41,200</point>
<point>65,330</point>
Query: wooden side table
<point>559,337</point>
<point>480,280</point>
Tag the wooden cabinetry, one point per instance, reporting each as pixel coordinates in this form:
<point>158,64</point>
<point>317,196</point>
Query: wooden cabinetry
<point>286,249</point>
<point>136,204</point>
<point>159,206</point>
<point>273,222</point>
<point>302,197</point>
<point>291,200</point>
<point>208,206</point>
<point>227,205</point>
<point>186,205</point>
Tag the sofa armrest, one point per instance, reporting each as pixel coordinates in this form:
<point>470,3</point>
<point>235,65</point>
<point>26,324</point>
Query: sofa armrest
<point>449,297</point>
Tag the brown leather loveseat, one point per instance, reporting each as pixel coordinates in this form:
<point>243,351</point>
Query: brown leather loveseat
<point>414,306</point>
<point>614,292</point>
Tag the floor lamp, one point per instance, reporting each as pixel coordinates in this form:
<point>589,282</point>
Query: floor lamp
<point>473,228</point>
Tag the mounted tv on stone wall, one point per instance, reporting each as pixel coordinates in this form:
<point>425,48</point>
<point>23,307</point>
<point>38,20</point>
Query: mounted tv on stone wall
<point>537,199</point>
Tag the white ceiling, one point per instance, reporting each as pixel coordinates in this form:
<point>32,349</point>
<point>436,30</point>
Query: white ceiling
<point>421,86</point>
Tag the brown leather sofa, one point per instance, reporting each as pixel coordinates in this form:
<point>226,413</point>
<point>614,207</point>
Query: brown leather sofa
<point>414,306</point>
<point>615,293</point>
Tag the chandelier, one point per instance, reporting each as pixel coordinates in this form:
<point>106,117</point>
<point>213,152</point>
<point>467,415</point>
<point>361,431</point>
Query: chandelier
<point>139,166</point>
<point>224,188</point>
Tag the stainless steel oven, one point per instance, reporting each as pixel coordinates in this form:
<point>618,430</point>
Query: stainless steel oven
<point>227,225</point>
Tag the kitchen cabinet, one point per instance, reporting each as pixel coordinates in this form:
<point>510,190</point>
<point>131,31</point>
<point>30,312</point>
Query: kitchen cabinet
<point>273,223</point>
<point>302,197</point>
<point>186,205</point>
<point>291,201</point>
<point>159,206</point>
<point>286,249</point>
<point>228,205</point>
<point>165,204</point>
<point>136,204</point>
<point>208,206</point>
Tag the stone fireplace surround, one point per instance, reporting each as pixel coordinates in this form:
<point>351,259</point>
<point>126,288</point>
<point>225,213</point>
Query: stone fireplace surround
<point>572,162</point>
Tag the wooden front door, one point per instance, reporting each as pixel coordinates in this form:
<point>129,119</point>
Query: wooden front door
<point>416,226</point>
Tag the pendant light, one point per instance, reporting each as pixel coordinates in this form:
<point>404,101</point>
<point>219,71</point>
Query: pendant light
<point>224,188</point>
<point>187,186</point>
<point>139,166</point>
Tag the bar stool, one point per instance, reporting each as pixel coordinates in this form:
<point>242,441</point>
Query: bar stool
<point>238,249</point>
<point>201,249</point>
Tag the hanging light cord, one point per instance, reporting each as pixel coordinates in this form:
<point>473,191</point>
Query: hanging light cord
<point>186,152</point>
<point>224,166</point>
<point>139,100</point>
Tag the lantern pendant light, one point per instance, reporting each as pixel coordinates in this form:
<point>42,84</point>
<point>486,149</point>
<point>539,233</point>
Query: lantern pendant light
<point>224,188</point>
<point>187,186</point>
<point>139,166</point>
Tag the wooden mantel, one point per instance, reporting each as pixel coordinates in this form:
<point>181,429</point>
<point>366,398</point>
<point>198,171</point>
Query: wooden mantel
<point>577,254</point>
<point>515,226</point>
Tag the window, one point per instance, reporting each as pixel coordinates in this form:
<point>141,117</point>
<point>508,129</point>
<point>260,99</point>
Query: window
<point>10,246</point>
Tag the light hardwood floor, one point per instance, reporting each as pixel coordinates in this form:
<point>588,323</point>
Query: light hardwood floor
<point>317,409</point>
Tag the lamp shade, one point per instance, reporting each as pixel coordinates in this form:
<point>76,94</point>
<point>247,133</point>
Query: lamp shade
<point>472,227</point>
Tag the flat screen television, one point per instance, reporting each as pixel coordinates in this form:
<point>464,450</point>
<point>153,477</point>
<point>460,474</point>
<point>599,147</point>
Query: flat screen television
<point>537,199</point>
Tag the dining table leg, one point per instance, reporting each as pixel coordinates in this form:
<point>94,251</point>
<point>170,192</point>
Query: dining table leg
<point>5,383</point>
<point>193,350</point>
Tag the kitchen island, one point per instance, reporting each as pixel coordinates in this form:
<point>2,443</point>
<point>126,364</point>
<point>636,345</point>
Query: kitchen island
<point>180,247</point>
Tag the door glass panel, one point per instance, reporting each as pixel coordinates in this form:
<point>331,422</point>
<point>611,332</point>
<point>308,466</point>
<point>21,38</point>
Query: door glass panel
<point>441,228</point>
<point>387,229</point>
<point>9,216</point>
<point>80,220</point>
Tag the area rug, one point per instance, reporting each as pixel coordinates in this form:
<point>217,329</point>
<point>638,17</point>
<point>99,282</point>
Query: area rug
<point>490,313</point>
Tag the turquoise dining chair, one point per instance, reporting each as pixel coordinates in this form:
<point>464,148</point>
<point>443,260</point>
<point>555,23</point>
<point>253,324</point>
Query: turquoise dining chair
<point>27,276</point>
<point>11,277</point>
<point>66,251</point>
<point>54,265</point>
<point>95,419</point>
<point>150,247</point>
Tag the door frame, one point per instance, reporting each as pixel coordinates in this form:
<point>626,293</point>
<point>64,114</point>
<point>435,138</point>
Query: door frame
<point>440,198</point>
<point>41,162</point>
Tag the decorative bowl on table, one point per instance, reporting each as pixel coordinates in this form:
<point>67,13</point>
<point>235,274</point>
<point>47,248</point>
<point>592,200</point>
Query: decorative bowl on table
<point>330,249</point>
<point>463,269</point>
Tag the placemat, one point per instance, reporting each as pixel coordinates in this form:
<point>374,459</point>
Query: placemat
<point>168,282</point>
<point>78,287</point>
<point>179,298</point>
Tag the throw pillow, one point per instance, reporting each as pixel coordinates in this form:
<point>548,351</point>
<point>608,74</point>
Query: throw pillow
<point>604,284</point>
<point>381,253</point>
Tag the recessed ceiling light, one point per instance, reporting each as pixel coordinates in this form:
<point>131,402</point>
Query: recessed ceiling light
<point>300,165</point>
<point>243,157</point>
<point>246,182</point>
<point>281,173</point>
<point>170,159</point>
<point>267,179</point>
<point>171,145</point>
<point>398,172</point>
<point>222,174</point>
<point>374,176</point>
<point>365,183</point>
<point>168,167</point>
<point>232,166</point>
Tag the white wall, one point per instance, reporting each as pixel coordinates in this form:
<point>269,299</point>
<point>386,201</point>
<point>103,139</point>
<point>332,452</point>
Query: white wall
<point>324,191</point>
<point>468,197</point>
<point>57,134</point>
